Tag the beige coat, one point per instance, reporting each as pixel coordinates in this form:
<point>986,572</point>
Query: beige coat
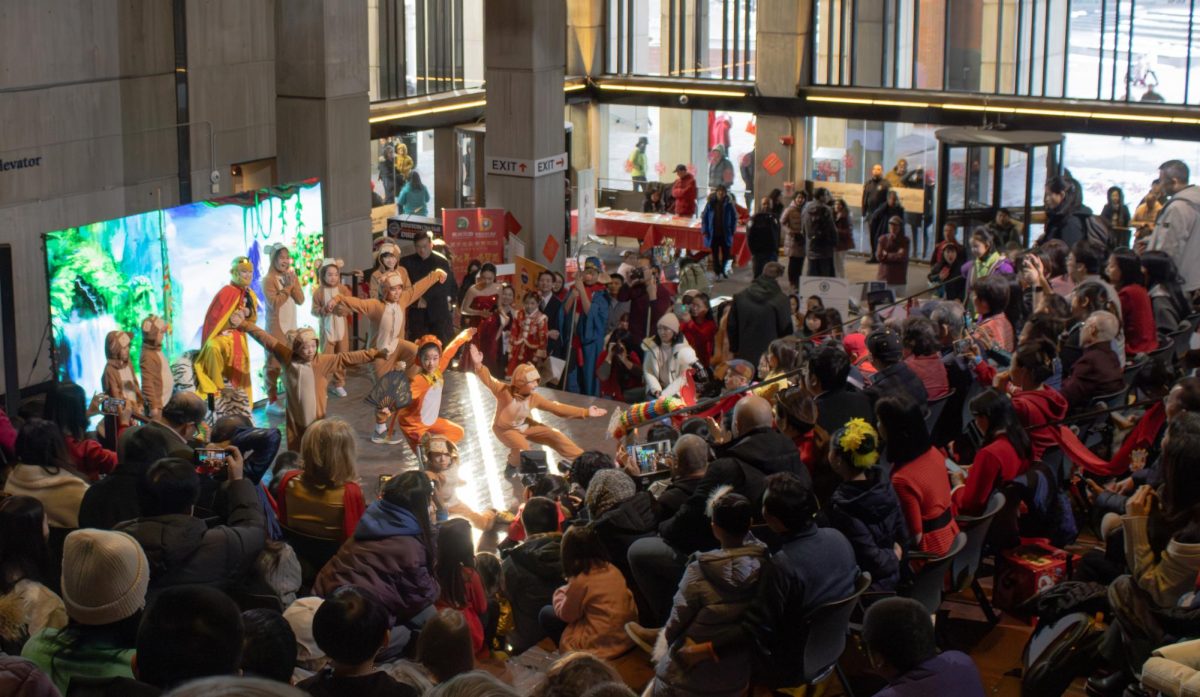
<point>596,605</point>
<point>60,493</point>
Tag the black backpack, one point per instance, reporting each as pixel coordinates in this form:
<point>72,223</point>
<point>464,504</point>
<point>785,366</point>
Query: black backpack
<point>1059,651</point>
<point>1096,229</point>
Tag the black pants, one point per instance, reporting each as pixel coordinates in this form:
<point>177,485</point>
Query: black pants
<point>795,266</point>
<point>759,261</point>
<point>720,255</point>
<point>821,267</point>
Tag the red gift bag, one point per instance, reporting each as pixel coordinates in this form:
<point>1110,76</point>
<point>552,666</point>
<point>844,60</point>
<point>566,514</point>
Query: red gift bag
<point>1028,569</point>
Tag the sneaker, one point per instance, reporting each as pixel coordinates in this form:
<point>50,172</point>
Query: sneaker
<point>276,408</point>
<point>339,391</point>
<point>380,435</point>
<point>396,440</point>
<point>644,637</point>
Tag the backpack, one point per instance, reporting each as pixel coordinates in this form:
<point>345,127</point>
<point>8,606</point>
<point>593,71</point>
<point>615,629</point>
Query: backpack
<point>1095,229</point>
<point>1049,511</point>
<point>1057,652</point>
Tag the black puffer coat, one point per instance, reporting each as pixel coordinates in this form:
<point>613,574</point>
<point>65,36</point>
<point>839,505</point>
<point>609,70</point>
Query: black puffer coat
<point>868,513</point>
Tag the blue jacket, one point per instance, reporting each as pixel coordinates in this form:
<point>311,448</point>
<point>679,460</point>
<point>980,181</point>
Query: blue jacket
<point>949,673</point>
<point>384,519</point>
<point>868,513</point>
<point>707,220</point>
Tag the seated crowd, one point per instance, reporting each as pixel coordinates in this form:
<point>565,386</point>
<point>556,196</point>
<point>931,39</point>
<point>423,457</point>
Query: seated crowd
<point>839,457</point>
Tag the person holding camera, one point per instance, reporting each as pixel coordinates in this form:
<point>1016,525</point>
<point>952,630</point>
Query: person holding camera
<point>620,367</point>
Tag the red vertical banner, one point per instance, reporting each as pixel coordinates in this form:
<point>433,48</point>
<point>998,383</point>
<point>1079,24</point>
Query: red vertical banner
<point>474,233</point>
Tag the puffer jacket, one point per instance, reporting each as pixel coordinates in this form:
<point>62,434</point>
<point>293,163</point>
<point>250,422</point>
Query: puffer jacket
<point>715,590</point>
<point>820,234</point>
<point>386,556</point>
<point>183,550</point>
<point>532,572</point>
<point>792,231</point>
<point>619,526</point>
<point>21,678</point>
<point>868,513</point>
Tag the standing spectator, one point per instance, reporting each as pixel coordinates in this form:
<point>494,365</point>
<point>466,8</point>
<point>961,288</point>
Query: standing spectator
<point>946,265</point>
<point>350,627</point>
<point>104,580</point>
<point>1115,212</point>
<point>881,219</point>
<point>720,169</point>
<point>777,204</point>
<point>864,506</point>
<point>552,307</point>
<point>918,474</point>
<point>654,201</point>
<point>845,236</point>
<point>391,552</point>
<point>746,169</point>
<point>403,164</point>
<point>323,498</point>
<point>874,195</point>
<point>1146,213</point>
<point>716,589</point>
<point>637,164</point>
<point>896,175</point>
<point>1005,230</point>
<point>891,253</point>
<point>532,571</point>
<point>718,223</point>
<point>43,471</point>
<point>1170,305</point>
<point>182,548</point>
<point>648,300</point>
<point>1178,229</point>
<point>1065,213</point>
<point>590,612</point>
<point>25,569</point>
<point>762,237</point>
<point>758,315</point>
<point>683,193</point>
<point>900,643</point>
<point>792,230</point>
<point>414,197</point>
<point>431,313</point>
<point>820,234</point>
<point>387,172</point>
<point>1124,270</point>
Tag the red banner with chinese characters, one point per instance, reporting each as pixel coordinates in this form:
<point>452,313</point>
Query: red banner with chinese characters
<point>474,234</point>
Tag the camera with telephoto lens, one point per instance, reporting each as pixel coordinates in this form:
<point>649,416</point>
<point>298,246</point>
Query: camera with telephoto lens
<point>532,466</point>
<point>637,274</point>
<point>707,384</point>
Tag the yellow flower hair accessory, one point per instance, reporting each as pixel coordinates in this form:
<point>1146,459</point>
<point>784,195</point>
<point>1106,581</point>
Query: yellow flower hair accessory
<point>861,441</point>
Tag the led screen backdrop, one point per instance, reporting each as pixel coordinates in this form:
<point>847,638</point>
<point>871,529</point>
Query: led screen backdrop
<point>171,262</point>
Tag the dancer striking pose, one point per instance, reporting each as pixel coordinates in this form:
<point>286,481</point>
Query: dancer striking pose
<point>425,383</point>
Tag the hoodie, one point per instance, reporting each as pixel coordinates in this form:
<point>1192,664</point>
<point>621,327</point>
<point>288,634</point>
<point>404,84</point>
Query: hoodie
<point>716,588</point>
<point>1037,407</point>
<point>388,556</point>
<point>157,381</point>
<point>118,379</point>
<point>868,513</point>
<point>531,573</point>
<point>758,315</point>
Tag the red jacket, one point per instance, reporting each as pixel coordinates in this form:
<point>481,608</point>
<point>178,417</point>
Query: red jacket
<point>1037,407</point>
<point>996,463</point>
<point>683,193</point>
<point>923,488</point>
<point>91,458</point>
<point>700,336</point>
<point>1137,313</point>
<point>892,252</point>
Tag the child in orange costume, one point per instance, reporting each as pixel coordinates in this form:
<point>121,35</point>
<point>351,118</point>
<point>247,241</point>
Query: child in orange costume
<point>306,375</point>
<point>529,335</point>
<point>387,315</point>
<point>335,329</point>
<point>425,382</point>
<point>515,403</point>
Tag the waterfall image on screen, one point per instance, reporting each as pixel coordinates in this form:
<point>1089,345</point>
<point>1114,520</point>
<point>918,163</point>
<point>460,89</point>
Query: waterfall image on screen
<point>111,275</point>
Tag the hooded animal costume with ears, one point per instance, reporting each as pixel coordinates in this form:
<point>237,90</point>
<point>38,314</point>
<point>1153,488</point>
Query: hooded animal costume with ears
<point>283,294</point>
<point>158,383</point>
<point>119,380</point>
<point>335,329</point>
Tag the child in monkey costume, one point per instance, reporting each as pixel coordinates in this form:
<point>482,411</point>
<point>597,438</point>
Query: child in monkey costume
<point>158,383</point>
<point>283,293</point>
<point>515,402</point>
<point>387,316</point>
<point>335,329</point>
<point>306,375</point>
<point>387,260</point>
<point>439,456</point>
<point>119,381</point>
<point>224,356</point>
<point>420,417</point>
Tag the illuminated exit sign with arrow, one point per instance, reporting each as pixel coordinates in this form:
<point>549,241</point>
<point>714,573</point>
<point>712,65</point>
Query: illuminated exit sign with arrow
<point>516,167</point>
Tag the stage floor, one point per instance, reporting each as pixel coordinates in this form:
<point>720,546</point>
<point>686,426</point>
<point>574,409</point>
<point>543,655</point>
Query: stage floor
<point>466,402</point>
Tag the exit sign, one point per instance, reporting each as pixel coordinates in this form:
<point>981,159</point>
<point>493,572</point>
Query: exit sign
<point>516,167</point>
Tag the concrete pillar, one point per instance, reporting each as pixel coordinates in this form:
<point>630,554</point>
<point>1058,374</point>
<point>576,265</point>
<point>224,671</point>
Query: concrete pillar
<point>524,63</point>
<point>321,78</point>
<point>585,37</point>
<point>445,175</point>
<point>783,59</point>
<point>868,59</point>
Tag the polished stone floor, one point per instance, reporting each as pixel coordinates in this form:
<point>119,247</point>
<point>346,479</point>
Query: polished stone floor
<point>466,402</point>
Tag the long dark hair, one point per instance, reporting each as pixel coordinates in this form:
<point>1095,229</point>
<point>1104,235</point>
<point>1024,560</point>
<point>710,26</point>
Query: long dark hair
<point>67,406</point>
<point>413,492</point>
<point>1160,270</point>
<point>1001,418</point>
<point>23,550</point>
<point>41,443</point>
<point>1181,482</point>
<point>456,551</point>
<point>905,435</point>
<point>582,551</point>
<point>1130,267</point>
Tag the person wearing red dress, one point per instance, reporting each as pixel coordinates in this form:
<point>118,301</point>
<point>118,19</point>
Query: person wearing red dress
<point>479,311</point>
<point>918,474</point>
<point>528,335</point>
<point>1124,271</point>
<point>1004,457</point>
<point>700,329</point>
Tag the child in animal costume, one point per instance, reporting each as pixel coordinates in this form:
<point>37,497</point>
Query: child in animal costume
<point>387,314</point>
<point>119,381</point>
<point>283,293</point>
<point>513,424</point>
<point>158,382</point>
<point>306,375</point>
<point>439,455</point>
<point>225,354</point>
<point>387,260</point>
<point>420,417</point>
<point>335,328</point>
<point>528,335</point>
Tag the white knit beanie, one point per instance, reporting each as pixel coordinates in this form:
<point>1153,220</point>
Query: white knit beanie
<point>104,578</point>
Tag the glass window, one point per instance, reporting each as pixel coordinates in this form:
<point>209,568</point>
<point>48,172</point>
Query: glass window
<point>404,160</point>
<point>424,47</point>
<point>686,38</point>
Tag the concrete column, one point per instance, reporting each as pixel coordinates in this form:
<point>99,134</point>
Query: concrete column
<point>585,37</point>
<point>445,175</point>
<point>783,62</point>
<point>321,79</point>
<point>524,62</point>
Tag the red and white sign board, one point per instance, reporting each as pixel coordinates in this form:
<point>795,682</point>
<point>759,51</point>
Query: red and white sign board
<point>517,167</point>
